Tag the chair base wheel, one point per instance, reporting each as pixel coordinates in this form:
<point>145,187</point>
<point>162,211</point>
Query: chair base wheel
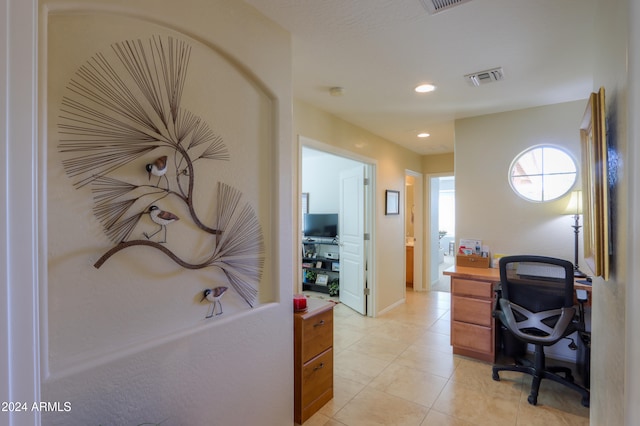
<point>585,402</point>
<point>496,377</point>
<point>533,400</point>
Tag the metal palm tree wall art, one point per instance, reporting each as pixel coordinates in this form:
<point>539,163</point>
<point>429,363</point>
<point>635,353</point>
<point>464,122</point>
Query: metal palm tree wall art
<point>124,108</point>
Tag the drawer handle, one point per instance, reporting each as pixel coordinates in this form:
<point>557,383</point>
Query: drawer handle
<point>318,324</point>
<point>319,366</point>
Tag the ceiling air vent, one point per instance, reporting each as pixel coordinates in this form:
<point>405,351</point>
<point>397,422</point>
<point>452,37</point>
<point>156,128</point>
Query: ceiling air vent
<point>484,77</point>
<point>436,6</point>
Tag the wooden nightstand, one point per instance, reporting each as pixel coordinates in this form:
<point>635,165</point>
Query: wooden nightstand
<point>313,358</point>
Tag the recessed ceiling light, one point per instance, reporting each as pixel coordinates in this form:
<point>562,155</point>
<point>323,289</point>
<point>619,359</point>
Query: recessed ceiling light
<point>424,88</point>
<point>423,135</point>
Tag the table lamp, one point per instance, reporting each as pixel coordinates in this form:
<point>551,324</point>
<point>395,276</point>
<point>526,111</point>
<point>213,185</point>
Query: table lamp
<point>575,208</point>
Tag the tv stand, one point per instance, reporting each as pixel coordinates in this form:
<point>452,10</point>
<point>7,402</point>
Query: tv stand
<point>320,263</point>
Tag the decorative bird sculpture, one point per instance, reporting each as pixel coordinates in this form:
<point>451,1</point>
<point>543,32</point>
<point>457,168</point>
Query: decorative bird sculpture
<point>213,295</point>
<point>158,168</point>
<point>162,218</point>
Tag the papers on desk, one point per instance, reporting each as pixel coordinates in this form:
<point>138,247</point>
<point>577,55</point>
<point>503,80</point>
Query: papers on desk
<point>468,246</point>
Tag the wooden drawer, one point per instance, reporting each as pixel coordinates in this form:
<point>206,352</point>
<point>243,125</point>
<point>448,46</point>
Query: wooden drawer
<point>313,359</point>
<point>472,261</point>
<point>472,336</point>
<point>461,286</point>
<point>317,379</point>
<point>318,334</point>
<point>475,311</point>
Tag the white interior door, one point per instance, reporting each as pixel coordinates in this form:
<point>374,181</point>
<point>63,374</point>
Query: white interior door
<point>351,221</point>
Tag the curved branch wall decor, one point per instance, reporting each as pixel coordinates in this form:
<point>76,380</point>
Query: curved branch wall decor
<point>125,106</point>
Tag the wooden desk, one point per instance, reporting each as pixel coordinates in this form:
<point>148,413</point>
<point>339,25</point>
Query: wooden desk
<point>493,274</point>
<point>473,329</point>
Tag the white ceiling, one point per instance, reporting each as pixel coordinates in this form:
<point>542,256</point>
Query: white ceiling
<point>379,50</point>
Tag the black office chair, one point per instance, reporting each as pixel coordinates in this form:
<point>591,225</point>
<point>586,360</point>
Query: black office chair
<point>536,306</point>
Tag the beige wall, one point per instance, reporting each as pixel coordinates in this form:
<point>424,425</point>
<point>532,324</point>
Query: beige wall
<point>439,163</point>
<point>391,161</point>
<point>632,321</point>
<point>129,343</point>
<point>632,293</point>
<point>609,340</point>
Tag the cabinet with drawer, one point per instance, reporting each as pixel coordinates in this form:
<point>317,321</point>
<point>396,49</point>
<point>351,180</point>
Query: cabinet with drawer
<point>313,359</point>
<point>473,331</point>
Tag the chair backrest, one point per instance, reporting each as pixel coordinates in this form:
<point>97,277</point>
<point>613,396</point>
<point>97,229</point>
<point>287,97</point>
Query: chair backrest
<point>537,283</point>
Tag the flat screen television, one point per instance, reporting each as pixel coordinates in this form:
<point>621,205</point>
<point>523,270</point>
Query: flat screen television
<point>321,225</point>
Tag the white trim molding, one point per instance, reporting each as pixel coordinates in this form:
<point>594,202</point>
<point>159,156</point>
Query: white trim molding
<point>20,369</point>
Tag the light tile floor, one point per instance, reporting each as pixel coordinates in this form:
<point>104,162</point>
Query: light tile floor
<point>398,369</point>
<point>444,281</point>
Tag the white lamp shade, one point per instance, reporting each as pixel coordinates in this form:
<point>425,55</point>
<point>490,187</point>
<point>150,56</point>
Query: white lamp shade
<point>575,203</point>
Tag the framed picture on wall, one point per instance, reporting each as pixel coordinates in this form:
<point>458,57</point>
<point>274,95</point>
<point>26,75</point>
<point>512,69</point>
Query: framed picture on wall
<point>392,202</point>
<point>594,186</point>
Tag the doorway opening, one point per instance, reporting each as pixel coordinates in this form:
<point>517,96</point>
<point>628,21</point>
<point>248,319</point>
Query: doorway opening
<point>442,230</point>
<point>413,228</point>
<point>334,182</point>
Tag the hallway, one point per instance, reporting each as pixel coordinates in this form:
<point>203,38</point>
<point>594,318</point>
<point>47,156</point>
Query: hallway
<point>398,369</point>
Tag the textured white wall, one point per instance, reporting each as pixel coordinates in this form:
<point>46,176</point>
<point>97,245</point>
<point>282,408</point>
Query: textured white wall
<point>136,348</point>
<point>19,359</point>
